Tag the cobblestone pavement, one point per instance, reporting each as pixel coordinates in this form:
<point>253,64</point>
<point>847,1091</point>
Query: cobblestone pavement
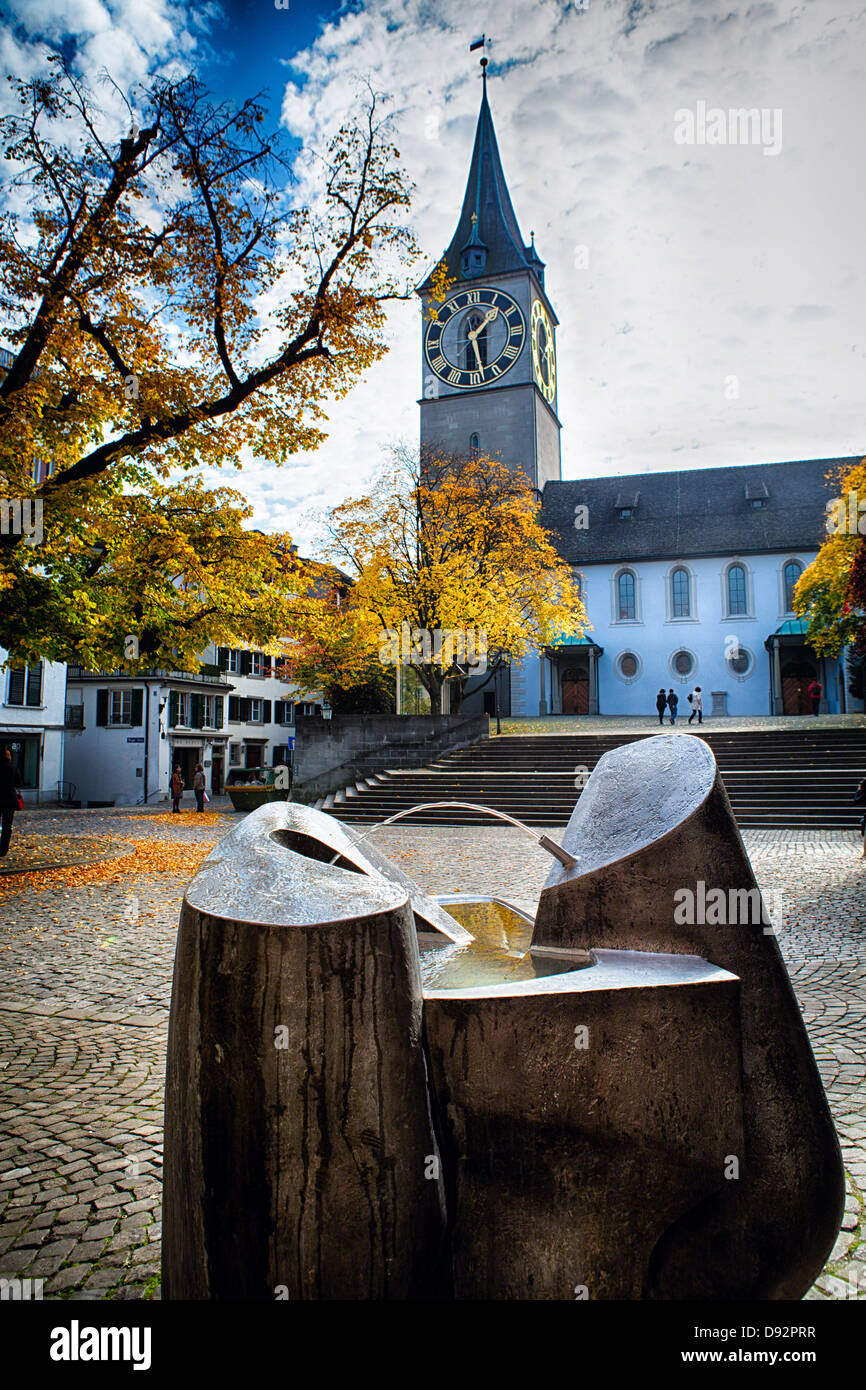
<point>85,979</point>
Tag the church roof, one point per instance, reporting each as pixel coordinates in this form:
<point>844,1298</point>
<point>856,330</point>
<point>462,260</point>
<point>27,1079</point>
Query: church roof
<point>700,511</point>
<point>487,217</point>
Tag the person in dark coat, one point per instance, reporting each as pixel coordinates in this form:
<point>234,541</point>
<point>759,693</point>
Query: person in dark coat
<point>673,701</point>
<point>661,704</point>
<point>10,781</point>
<point>859,799</point>
<point>176,785</point>
<point>815,692</point>
<point>198,786</point>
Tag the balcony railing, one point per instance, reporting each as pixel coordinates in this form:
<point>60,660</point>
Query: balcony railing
<point>77,673</point>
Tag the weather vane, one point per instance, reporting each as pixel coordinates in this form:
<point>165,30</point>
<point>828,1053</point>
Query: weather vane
<point>481,43</point>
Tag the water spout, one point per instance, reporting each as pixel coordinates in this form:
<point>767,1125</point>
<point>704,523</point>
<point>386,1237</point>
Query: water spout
<point>567,860</point>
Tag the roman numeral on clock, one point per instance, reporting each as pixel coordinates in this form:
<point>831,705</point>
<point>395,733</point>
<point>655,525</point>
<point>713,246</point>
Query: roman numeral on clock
<point>511,352</point>
<point>453,377</point>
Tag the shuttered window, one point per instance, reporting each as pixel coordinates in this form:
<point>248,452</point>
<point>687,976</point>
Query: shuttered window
<point>120,707</point>
<point>25,685</point>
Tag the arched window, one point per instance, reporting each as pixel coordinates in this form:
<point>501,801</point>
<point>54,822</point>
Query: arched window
<point>793,570</point>
<point>736,591</point>
<point>474,445</point>
<point>681,606</point>
<point>472,326</point>
<point>625,593</point>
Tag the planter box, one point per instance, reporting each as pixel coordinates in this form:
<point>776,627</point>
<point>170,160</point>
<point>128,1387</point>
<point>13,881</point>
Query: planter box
<point>246,797</point>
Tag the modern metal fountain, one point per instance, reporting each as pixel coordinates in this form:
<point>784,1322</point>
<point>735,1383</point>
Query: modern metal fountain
<point>374,1095</point>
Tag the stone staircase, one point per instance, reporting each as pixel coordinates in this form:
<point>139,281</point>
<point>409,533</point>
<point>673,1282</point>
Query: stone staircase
<point>775,778</point>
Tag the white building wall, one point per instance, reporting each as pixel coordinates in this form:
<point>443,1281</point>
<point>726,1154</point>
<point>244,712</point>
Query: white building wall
<point>655,636</point>
<point>120,763</point>
<point>40,726</point>
<point>107,763</point>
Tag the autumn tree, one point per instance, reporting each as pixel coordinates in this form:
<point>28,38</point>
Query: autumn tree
<point>168,305</point>
<point>831,592</point>
<point>451,548</point>
<point>333,647</point>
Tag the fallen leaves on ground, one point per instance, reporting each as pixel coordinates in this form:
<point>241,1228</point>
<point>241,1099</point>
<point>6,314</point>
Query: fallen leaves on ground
<point>185,818</point>
<point>32,850</point>
<point>148,857</point>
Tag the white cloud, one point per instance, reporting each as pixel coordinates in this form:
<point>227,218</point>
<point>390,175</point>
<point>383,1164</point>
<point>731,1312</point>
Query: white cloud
<point>129,38</point>
<point>57,18</point>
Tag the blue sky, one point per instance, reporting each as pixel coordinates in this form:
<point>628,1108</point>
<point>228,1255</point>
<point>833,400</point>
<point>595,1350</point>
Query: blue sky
<point>711,296</point>
<point>251,43</point>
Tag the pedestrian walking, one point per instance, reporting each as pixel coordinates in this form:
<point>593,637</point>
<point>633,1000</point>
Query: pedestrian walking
<point>198,787</point>
<point>860,800</point>
<point>10,799</point>
<point>673,701</point>
<point>661,704</point>
<point>696,700</point>
<point>815,692</point>
<point>176,785</point>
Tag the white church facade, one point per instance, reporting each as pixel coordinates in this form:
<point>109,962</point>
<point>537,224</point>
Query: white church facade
<point>687,576</point>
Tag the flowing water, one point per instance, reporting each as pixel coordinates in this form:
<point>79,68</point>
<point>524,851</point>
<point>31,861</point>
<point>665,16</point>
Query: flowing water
<point>499,952</point>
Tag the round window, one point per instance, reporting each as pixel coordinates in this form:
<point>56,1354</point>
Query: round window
<point>739,663</point>
<point>683,663</point>
<point>628,666</point>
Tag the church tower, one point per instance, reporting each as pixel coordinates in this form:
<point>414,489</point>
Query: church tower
<point>489,352</point>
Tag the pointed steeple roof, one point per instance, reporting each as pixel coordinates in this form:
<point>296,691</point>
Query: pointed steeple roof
<point>487,219</point>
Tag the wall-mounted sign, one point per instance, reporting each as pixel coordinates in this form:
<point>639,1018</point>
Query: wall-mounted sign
<point>135,740</point>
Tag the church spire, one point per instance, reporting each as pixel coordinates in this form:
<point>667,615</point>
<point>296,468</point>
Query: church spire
<point>488,239</point>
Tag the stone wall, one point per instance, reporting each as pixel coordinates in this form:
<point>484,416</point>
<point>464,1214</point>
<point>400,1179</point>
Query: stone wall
<point>334,753</point>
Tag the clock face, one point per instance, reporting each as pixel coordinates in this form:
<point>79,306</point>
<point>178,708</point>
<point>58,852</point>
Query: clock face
<point>476,336</point>
<point>543,355</point>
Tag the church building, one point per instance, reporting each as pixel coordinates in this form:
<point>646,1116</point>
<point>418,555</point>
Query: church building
<point>687,577</point>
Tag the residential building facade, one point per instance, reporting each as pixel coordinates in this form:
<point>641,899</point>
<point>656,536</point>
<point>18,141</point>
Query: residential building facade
<point>260,715</point>
<point>126,733</point>
<point>32,725</point>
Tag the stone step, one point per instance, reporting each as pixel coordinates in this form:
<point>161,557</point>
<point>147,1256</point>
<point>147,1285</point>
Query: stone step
<point>781,779</point>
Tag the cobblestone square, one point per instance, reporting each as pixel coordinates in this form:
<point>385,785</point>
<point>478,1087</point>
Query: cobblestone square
<point>86,957</point>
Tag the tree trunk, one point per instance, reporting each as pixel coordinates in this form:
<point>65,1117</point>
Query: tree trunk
<point>432,680</point>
